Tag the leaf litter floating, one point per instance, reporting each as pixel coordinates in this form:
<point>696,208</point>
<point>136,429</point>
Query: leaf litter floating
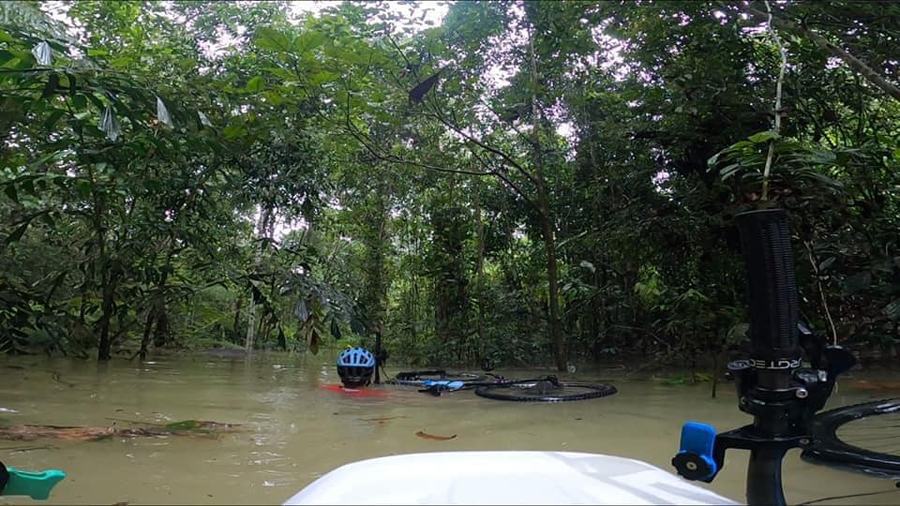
<point>425,435</point>
<point>190,428</point>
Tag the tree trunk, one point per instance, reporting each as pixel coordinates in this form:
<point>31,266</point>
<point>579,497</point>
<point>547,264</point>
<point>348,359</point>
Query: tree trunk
<point>547,222</point>
<point>262,227</point>
<point>108,305</point>
<point>236,324</point>
<point>161,332</point>
<point>282,341</point>
<point>479,280</point>
<point>145,339</point>
<point>556,330</point>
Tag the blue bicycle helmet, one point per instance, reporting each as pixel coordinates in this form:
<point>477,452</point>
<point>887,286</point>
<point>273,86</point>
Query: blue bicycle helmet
<point>355,367</point>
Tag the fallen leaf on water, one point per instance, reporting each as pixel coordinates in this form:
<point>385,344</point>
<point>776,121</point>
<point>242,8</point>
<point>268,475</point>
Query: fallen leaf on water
<point>382,419</point>
<point>424,435</point>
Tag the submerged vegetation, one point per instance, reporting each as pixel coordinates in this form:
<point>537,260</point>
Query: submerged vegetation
<point>522,182</point>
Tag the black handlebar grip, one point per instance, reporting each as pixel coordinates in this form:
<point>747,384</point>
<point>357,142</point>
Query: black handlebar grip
<point>766,243</point>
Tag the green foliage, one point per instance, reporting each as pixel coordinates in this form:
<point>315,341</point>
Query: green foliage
<point>524,182</point>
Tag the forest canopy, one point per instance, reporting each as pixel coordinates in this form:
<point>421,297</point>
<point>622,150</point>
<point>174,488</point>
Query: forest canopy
<point>525,182</point>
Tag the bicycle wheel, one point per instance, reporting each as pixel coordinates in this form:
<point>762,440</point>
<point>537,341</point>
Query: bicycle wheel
<point>545,391</point>
<point>863,436</point>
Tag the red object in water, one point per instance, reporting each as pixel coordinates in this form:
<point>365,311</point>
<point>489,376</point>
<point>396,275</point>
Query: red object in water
<point>354,392</point>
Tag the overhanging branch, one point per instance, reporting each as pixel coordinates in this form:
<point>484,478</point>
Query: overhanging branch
<point>853,62</point>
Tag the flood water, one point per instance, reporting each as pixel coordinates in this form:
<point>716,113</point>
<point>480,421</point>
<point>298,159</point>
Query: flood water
<point>293,431</point>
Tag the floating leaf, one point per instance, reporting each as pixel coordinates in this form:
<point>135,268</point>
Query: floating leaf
<point>42,53</point>
<point>203,119</point>
<point>162,114</point>
<point>424,435</point>
<point>110,125</point>
<point>587,265</point>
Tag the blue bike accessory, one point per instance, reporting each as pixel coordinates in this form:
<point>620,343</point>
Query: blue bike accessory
<point>36,485</point>
<point>695,460</point>
<point>444,384</point>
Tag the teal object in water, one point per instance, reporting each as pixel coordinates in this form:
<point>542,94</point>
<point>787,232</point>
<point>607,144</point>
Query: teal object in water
<point>36,485</point>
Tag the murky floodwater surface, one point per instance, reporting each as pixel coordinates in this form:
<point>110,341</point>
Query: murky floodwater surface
<point>293,431</point>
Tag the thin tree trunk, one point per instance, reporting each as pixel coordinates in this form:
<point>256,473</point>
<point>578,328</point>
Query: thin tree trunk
<point>479,279</point>
<point>236,324</point>
<point>262,227</point>
<point>161,332</point>
<point>145,339</point>
<point>547,223</point>
<point>108,305</point>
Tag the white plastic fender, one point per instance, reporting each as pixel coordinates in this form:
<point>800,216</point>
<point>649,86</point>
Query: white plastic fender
<point>502,477</point>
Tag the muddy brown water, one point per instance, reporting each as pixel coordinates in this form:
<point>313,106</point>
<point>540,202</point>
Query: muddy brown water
<point>294,431</point>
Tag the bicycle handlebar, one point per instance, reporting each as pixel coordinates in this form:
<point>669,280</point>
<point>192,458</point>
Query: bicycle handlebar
<point>766,243</point>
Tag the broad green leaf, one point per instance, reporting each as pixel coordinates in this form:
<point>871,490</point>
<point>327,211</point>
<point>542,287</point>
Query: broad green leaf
<point>320,78</point>
<point>762,137</point>
<point>233,131</point>
<point>268,38</point>
<point>255,85</point>
<point>53,118</point>
<point>79,101</point>
<point>50,87</point>
<point>18,232</point>
<point>308,41</point>
<point>273,97</point>
<point>83,188</point>
<point>10,191</point>
<point>856,283</point>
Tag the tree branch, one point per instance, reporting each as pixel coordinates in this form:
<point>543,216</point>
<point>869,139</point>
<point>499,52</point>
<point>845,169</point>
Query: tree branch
<point>851,61</point>
<point>506,158</point>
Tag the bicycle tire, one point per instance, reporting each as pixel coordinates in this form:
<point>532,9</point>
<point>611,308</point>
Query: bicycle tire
<point>829,448</point>
<point>501,391</point>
